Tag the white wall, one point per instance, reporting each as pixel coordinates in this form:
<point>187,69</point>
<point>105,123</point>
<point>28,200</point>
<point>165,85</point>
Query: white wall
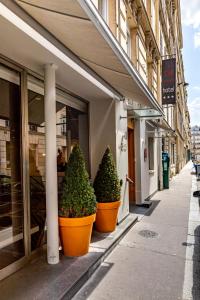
<point>107,128</point>
<point>146,182</point>
<point>122,157</point>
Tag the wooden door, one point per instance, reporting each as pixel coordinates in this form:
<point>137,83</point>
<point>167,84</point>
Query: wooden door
<point>131,165</point>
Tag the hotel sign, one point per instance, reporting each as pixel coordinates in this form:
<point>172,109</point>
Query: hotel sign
<point>169,81</point>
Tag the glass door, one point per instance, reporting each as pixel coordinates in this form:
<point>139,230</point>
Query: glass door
<point>37,167</point>
<point>72,128</point>
<point>11,195</point>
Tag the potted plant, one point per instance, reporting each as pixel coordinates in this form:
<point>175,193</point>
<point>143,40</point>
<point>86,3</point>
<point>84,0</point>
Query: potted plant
<point>77,208</point>
<point>107,191</point>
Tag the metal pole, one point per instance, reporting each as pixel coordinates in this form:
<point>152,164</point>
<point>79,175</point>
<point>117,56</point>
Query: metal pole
<point>51,165</point>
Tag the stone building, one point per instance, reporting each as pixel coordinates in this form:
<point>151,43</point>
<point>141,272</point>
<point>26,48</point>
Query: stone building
<point>87,72</point>
<point>195,140</point>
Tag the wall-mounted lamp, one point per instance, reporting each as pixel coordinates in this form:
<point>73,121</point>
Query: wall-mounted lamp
<point>185,84</point>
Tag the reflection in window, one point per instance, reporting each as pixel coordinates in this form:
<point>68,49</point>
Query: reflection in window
<point>37,168</point>
<point>72,128</point>
<point>11,199</point>
<point>151,152</point>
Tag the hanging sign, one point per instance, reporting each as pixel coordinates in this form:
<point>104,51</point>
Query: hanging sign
<point>169,81</point>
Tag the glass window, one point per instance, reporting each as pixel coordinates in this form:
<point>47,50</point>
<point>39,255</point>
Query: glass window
<point>37,168</point>
<point>103,9</point>
<point>154,79</point>
<point>153,15</point>
<point>122,25</point>
<point>151,152</point>
<point>173,153</point>
<point>102,6</point>
<point>11,197</point>
<point>141,58</point>
<point>71,128</point>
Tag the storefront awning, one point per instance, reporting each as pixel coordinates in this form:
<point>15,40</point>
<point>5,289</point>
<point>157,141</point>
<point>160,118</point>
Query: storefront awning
<point>144,113</point>
<point>80,28</point>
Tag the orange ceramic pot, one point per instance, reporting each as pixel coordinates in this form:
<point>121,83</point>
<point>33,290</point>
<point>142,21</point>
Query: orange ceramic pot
<point>106,218</point>
<point>75,234</point>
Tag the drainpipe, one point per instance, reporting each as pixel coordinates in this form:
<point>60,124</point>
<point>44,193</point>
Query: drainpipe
<point>51,165</point>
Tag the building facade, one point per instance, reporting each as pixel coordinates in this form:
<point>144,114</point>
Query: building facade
<point>87,72</point>
<point>195,139</point>
<point>177,144</point>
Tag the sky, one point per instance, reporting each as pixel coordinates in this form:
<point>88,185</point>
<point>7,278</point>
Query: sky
<point>190,10</point>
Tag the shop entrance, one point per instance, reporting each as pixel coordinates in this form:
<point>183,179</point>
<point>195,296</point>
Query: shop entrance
<point>71,129</point>
<point>22,161</point>
<point>131,164</point>
<point>12,242</point>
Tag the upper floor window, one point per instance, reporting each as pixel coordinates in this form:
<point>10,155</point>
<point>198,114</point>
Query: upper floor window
<point>141,58</point>
<point>162,44</point>
<point>122,24</point>
<point>154,79</point>
<point>153,15</point>
<point>128,43</point>
<point>102,6</point>
<point>123,30</point>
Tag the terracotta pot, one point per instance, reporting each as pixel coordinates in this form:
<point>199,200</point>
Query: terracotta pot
<point>106,218</point>
<point>75,234</point>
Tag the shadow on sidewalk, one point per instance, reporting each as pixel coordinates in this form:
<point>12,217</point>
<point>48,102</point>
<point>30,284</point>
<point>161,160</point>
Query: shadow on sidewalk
<point>153,206</point>
<point>144,210</point>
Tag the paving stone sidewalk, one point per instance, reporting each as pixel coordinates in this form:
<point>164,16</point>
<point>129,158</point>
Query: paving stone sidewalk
<point>159,258</point>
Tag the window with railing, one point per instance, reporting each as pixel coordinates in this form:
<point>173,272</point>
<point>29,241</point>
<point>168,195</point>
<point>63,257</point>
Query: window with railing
<point>122,24</point>
<point>153,15</point>
<point>154,80</point>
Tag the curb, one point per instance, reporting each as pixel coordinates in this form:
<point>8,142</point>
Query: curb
<point>68,295</point>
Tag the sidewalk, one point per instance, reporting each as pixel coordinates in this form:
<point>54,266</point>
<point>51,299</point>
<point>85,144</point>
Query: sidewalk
<point>40,281</point>
<point>149,262</point>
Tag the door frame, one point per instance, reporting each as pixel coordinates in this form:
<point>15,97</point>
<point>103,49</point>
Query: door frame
<point>12,67</point>
<point>131,128</point>
<point>63,97</point>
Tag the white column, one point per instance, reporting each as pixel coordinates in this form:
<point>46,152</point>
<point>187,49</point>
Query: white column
<point>139,155</point>
<point>51,165</point>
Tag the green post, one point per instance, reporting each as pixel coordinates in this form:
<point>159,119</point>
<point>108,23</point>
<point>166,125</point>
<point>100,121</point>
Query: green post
<point>165,164</point>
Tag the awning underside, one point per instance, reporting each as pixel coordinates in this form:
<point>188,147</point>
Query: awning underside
<point>68,22</point>
<point>144,113</point>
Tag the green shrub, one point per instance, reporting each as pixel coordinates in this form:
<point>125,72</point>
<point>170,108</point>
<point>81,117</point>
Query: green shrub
<point>78,199</point>
<point>106,183</point>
